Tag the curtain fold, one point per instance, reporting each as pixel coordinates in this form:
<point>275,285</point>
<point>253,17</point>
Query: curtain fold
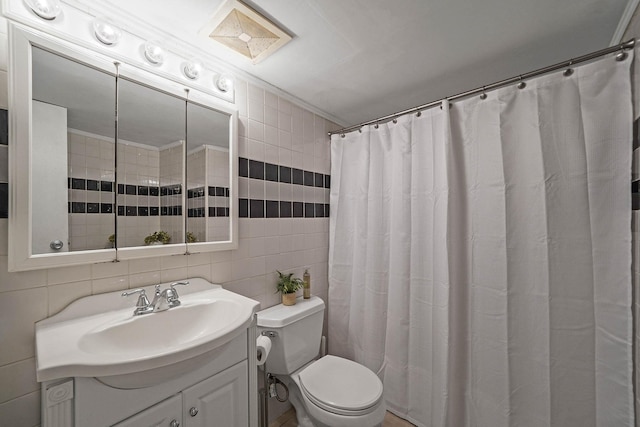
<point>480,255</point>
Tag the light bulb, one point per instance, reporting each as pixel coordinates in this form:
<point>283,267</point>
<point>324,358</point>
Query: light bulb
<point>193,69</point>
<point>45,9</point>
<point>224,82</point>
<point>154,52</point>
<point>106,32</point>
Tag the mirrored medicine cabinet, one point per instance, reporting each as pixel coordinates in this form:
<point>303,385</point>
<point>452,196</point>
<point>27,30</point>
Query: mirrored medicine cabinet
<point>111,162</point>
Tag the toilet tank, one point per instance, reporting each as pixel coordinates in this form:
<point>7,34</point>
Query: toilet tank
<point>299,332</point>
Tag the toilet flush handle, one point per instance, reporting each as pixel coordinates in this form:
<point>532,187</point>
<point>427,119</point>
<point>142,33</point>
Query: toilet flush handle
<point>270,334</point>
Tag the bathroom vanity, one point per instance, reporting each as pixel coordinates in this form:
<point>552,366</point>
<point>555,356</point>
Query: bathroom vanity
<point>189,365</point>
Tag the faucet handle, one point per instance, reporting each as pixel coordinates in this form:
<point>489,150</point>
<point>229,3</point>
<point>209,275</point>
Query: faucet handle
<point>143,301</point>
<point>175,293</point>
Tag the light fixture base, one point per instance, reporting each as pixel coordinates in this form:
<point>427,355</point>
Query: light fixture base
<point>45,9</point>
<point>106,31</point>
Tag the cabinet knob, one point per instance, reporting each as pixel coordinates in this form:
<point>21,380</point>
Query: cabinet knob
<point>174,423</point>
<point>193,411</point>
<point>56,245</point>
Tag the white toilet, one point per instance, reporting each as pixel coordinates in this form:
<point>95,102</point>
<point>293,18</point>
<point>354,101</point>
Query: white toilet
<point>326,392</point>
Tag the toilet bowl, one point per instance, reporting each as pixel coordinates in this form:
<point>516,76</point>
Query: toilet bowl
<point>326,392</point>
<point>336,392</point>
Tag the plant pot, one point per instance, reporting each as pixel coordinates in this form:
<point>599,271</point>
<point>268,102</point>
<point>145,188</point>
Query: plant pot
<point>289,299</point>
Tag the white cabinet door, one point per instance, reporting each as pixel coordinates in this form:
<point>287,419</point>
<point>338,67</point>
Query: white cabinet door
<point>219,401</point>
<point>167,413</point>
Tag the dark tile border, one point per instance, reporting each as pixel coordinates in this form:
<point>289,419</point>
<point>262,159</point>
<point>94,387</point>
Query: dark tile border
<point>255,169</point>
<point>254,208</point>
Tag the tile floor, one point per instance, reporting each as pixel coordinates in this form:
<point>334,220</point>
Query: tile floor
<point>288,419</point>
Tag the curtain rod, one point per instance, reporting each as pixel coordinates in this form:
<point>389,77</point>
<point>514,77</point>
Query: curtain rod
<point>620,57</point>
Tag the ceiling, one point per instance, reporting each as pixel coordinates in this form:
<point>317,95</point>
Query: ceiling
<point>357,60</point>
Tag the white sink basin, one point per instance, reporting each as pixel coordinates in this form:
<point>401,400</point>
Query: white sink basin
<point>157,332</point>
<point>98,336</point>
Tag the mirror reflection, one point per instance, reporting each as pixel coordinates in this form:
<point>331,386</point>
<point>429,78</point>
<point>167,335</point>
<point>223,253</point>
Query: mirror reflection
<point>150,155</point>
<point>207,175</point>
<point>158,174</point>
<point>72,157</point>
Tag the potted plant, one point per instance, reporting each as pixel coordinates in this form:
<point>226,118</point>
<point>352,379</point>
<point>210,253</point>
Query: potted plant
<point>288,285</point>
<point>191,238</point>
<point>112,241</point>
<point>157,238</point>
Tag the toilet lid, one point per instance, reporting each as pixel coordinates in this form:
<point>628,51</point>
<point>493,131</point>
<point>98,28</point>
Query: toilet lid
<point>340,385</point>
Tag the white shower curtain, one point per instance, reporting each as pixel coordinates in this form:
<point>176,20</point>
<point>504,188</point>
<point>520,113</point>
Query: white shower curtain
<point>480,255</point>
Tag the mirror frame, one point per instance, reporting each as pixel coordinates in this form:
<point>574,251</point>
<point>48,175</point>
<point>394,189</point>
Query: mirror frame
<point>21,258</point>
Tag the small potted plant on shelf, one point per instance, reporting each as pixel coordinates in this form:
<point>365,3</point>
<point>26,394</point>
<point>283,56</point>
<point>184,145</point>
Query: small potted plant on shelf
<point>157,238</point>
<point>288,285</point>
<point>112,242</point>
<point>191,238</point>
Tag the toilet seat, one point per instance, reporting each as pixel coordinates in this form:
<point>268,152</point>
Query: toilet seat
<point>341,386</point>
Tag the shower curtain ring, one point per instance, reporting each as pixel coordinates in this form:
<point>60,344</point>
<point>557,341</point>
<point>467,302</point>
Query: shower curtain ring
<point>419,113</point>
<point>622,55</point>
<point>376,126</point>
<point>342,135</point>
<point>395,120</point>
<point>483,95</point>
<point>568,71</point>
<point>522,84</point>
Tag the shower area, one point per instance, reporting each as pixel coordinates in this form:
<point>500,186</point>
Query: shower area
<point>480,255</point>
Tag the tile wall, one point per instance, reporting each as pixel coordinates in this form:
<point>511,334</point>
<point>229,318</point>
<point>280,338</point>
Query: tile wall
<point>273,131</point>
<point>171,172</point>
<point>196,194</point>
<point>208,194</point>
<point>91,191</point>
<point>138,193</point>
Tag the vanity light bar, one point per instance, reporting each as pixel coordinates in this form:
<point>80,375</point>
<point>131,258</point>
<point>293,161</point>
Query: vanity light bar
<point>109,34</point>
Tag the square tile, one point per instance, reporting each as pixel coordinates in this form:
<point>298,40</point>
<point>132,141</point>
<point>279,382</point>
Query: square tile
<point>309,179</point>
<point>308,210</point>
<point>271,172</point>
<point>24,308</point>
<point>256,208</point>
<point>273,209</point>
<point>285,210</point>
<point>297,176</point>
<point>285,174</point>
<point>256,169</point>
<point>298,210</point>
<point>4,200</point>
<point>243,167</point>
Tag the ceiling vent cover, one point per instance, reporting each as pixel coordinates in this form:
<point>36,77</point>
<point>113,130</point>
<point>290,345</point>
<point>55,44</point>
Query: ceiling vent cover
<point>245,31</point>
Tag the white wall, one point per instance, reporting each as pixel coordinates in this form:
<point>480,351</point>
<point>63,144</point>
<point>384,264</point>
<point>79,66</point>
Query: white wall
<point>271,130</point>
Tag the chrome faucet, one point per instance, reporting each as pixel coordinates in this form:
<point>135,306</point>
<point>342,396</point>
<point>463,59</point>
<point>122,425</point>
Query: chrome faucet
<point>162,300</point>
<point>169,298</point>
<point>142,306</point>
